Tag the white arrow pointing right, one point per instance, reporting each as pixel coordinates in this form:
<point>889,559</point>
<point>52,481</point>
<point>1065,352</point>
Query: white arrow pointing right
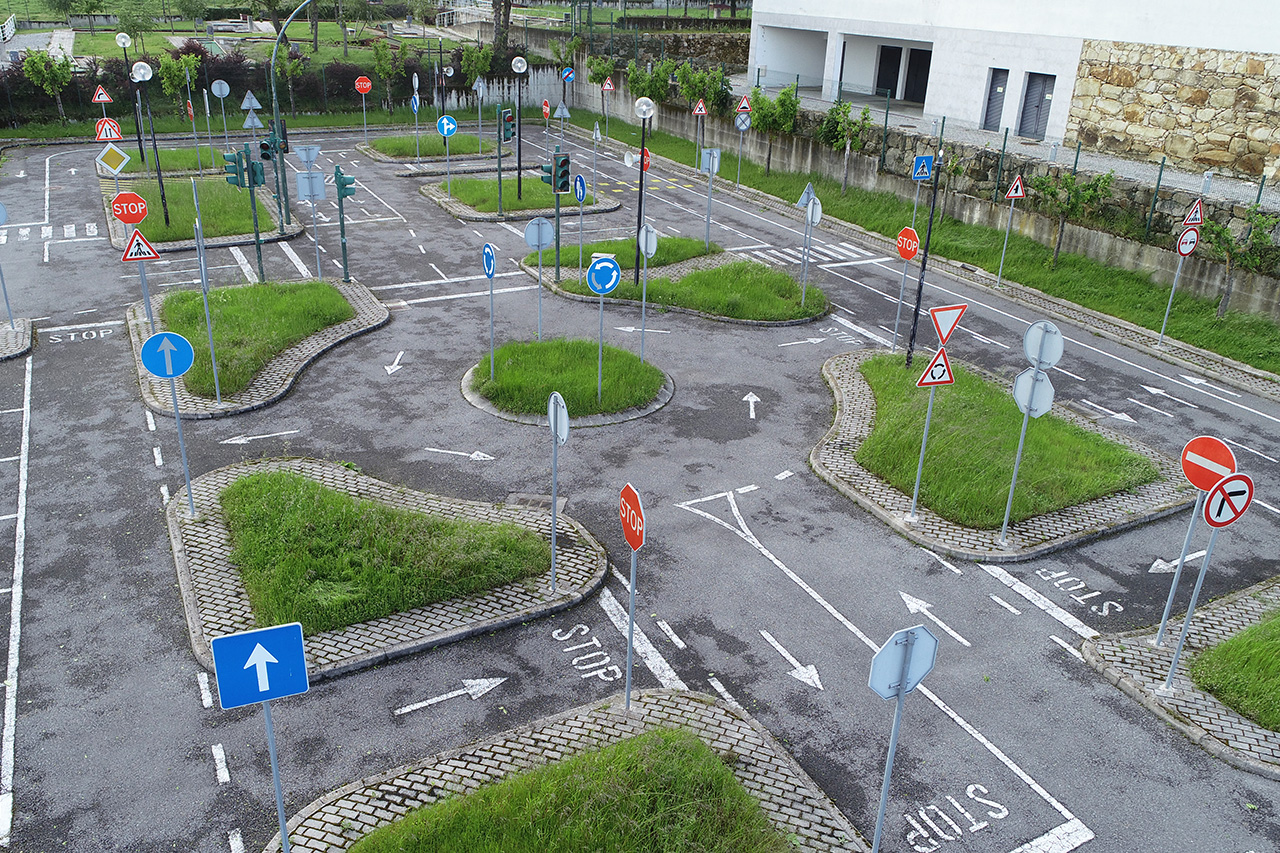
<point>919,605</point>
<point>807,673</point>
<point>473,687</point>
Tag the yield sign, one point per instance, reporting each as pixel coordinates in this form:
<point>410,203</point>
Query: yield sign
<point>1206,460</point>
<point>109,130</point>
<point>607,85</point>
<point>1016,190</point>
<point>744,106</point>
<point>946,318</point>
<point>138,249</point>
<point>700,108</point>
<point>251,103</point>
<point>100,96</point>
<point>1195,216</point>
<point>1228,500</point>
<point>937,373</point>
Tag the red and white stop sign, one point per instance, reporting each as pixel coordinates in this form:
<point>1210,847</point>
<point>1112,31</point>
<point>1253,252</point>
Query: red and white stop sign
<point>1206,460</point>
<point>1188,240</point>
<point>631,512</point>
<point>546,108</point>
<point>644,159</point>
<point>364,85</point>
<point>129,207</point>
<point>908,243</point>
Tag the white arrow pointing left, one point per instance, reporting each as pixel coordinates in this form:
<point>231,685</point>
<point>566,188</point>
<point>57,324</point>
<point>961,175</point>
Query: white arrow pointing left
<point>260,657</point>
<point>919,605</point>
<point>473,687</point>
<point>808,673</point>
<point>751,399</point>
<point>245,439</point>
<point>1160,392</point>
<point>635,329</point>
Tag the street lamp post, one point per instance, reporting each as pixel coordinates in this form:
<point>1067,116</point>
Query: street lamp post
<point>645,109</point>
<point>519,65</point>
<point>124,40</point>
<point>140,74</point>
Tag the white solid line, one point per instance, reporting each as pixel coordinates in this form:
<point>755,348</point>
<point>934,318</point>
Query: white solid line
<point>1070,648</point>
<point>1266,505</point>
<point>235,841</point>
<point>206,698</point>
<point>864,332</point>
<point>942,561</point>
<point>86,311</point>
<point>1006,605</point>
<point>748,248</point>
<point>151,421</point>
<point>244,264</point>
<point>155,452</point>
<point>644,648</point>
<point>10,411</point>
<point>297,261</point>
<point>985,339</point>
<point>443,277</point>
<point>1069,373</point>
<point>9,459</point>
<point>619,577</point>
<point>15,624</point>
<point>833,266</point>
<point>164,494</point>
<point>671,635</point>
<point>10,517</point>
<point>1228,441</point>
<point>744,489</point>
<point>473,231</point>
<point>1220,470</point>
<point>1152,408</point>
<point>470,294</point>
<point>1071,622</point>
<point>724,694</point>
<point>220,764</point>
<point>435,281</point>
<point>84,326</point>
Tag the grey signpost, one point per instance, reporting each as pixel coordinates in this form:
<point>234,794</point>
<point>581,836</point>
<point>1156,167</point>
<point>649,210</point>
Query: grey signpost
<point>221,90</point>
<point>203,261</point>
<point>710,164</point>
<point>580,193</point>
<point>562,113</point>
<point>1015,192</point>
<point>648,247</point>
<point>897,669</point>
<point>1033,392</point>
<point>595,149</point>
<point>558,418</point>
<point>539,234</point>
<point>1187,243</point>
<point>742,121</point>
<point>945,319</point>
<point>447,127</point>
<point>631,513</point>
<point>812,216</point>
<point>603,276</point>
<point>208,129</point>
<point>489,260</point>
<point>166,355</point>
<point>4,217</point>
<point>192,115</point>
<point>311,188</point>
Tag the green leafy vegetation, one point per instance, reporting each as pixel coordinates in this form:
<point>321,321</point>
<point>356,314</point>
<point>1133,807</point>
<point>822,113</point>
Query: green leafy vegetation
<point>671,250</point>
<point>528,371</point>
<point>972,441</point>
<point>1244,672</point>
<point>429,144</point>
<point>224,209</point>
<point>251,326</point>
<point>664,791</point>
<point>482,194</point>
<point>314,555</point>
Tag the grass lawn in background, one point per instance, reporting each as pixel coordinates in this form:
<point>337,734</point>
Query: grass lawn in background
<point>251,326</point>
<point>1244,672</point>
<point>314,555</point>
<point>431,144</point>
<point>664,791</point>
<point>174,160</point>
<point>482,194</point>
<point>528,371</point>
<point>224,210</point>
<point>972,441</point>
<point>671,250</point>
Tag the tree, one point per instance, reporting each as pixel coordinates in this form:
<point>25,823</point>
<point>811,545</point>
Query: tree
<point>49,74</point>
<point>774,115</point>
<point>313,17</point>
<point>272,10</point>
<point>840,128</point>
<point>653,85</point>
<point>562,53</point>
<point>1246,252</point>
<point>290,69</point>
<point>501,26</point>
<point>91,8</point>
<point>136,17</point>
<point>174,73</point>
<point>1067,198</point>
<point>599,69</point>
<point>193,9</point>
<point>476,62</point>
<point>388,64</point>
<point>62,8</point>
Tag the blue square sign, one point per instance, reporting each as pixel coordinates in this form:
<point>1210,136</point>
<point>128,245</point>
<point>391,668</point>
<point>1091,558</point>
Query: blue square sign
<point>922,168</point>
<point>254,666</point>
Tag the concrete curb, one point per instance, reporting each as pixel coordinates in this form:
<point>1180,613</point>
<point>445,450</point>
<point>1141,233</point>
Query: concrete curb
<point>665,393</point>
<point>465,213</point>
<point>16,342</point>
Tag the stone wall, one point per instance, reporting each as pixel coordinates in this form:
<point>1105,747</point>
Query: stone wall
<point>1202,108</point>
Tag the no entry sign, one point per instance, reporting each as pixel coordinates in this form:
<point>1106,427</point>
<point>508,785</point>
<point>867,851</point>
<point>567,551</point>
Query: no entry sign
<point>1206,460</point>
<point>364,85</point>
<point>908,243</point>
<point>631,513</point>
<point>546,108</point>
<point>129,207</point>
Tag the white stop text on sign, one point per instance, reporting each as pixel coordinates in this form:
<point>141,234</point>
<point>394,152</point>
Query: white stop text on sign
<point>128,208</point>
<point>908,245</point>
<point>631,520</point>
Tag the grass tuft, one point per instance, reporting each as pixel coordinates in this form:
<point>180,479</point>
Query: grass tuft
<point>430,144</point>
<point>528,371</point>
<point>482,194</point>
<point>224,210</point>
<point>671,250</point>
<point>1244,672</point>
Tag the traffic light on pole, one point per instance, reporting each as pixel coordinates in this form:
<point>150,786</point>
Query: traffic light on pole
<point>549,170</point>
<point>234,169</point>
<point>343,183</point>
<point>563,183</point>
<point>258,176</point>
<point>508,126</point>
<point>266,146</point>
<point>284,137</point>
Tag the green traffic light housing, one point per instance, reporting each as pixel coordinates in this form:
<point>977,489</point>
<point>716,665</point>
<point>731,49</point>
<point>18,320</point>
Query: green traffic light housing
<point>562,181</point>
<point>344,183</point>
<point>258,174</point>
<point>548,169</point>
<point>234,169</point>
<point>508,126</point>
<point>267,146</point>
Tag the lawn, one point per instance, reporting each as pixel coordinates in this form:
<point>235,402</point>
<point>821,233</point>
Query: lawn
<point>251,326</point>
<point>671,250</point>
<point>664,791</point>
<point>972,441</point>
<point>482,194</point>
<point>528,371</point>
<point>309,554</point>
<point>224,209</point>
<point>1244,672</point>
<point>175,160</point>
<point>430,143</point>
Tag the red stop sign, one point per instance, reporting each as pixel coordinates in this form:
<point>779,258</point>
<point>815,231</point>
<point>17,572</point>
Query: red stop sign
<point>908,243</point>
<point>631,513</point>
<point>129,207</point>
<point>364,85</point>
<point>644,159</point>
<point>546,108</point>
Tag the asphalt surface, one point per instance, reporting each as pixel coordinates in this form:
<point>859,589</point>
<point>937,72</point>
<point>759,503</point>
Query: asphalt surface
<point>1012,740</point>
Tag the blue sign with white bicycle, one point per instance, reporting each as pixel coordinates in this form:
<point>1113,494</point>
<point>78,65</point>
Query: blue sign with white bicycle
<point>579,188</point>
<point>603,276</point>
<point>167,355</point>
<point>922,169</point>
<point>446,126</point>
<point>489,259</point>
<point>257,666</point>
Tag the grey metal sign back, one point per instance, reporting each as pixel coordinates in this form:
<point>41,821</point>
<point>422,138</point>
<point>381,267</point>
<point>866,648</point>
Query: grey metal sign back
<point>310,186</point>
<point>1033,392</point>
<point>558,417</point>
<point>1043,333</point>
<point>539,233</point>
<point>887,677</point>
<point>648,240</point>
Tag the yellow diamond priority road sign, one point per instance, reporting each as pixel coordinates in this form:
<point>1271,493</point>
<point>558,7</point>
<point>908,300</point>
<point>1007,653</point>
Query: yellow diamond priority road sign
<point>113,159</point>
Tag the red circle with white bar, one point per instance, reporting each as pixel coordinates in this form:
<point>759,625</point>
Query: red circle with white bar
<point>908,243</point>
<point>1228,500</point>
<point>546,108</point>
<point>364,85</point>
<point>1206,460</point>
<point>644,159</point>
<point>1188,241</point>
<point>631,514</point>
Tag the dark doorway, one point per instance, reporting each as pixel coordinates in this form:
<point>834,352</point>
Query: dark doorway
<point>1035,107</point>
<point>917,75</point>
<point>887,72</point>
<point>995,99</point>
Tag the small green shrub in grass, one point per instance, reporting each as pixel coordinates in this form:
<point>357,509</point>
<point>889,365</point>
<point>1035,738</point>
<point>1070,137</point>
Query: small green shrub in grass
<point>429,144</point>
<point>671,250</point>
<point>251,326</point>
<point>309,554</point>
<point>664,791</point>
<point>528,371</point>
<point>972,441</point>
<point>482,194</point>
<point>224,210</point>
<point>1244,672</point>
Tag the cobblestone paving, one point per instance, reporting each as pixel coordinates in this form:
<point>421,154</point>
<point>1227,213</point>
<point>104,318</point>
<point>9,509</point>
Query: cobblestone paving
<point>273,381</point>
<point>466,213</point>
<point>1133,663</point>
<point>791,800</point>
<point>832,459</point>
<point>216,603</point>
<point>16,341</point>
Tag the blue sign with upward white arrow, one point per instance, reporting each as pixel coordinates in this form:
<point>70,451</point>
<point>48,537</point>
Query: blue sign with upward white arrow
<point>255,666</point>
<point>447,126</point>
<point>489,259</point>
<point>167,355</point>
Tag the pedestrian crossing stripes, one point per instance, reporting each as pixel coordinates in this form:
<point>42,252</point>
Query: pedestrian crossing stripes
<point>69,232</point>
<point>827,253</point>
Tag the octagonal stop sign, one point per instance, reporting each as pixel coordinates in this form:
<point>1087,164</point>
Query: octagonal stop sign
<point>886,676</point>
<point>908,243</point>
<point>129,207</point>
<point>631,513</point>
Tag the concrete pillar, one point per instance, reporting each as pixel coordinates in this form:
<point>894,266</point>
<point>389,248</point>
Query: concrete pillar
<point>831,65</point>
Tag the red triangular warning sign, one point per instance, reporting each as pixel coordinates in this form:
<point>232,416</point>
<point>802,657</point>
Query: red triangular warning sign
<point>945,319</point>
<point>108,131</point>
<point>1016,190</point>
<point>1195,216</point>
<point>744,106</point>
<point>938,372</point>
<point>607,86</point>
<point>700,109</point>
<point>100,96</point>
<point>138,249</point>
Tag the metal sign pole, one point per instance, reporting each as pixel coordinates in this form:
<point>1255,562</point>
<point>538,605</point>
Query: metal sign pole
<point>4,287</point>
<point>600,364</point>
<point>182,446</point>
<point>580,203</point>
<point>447,170</point>
<point>417,143</point>
<point>364,111</point>
<point>595,174</point>
<point>275,778</point>
<point>1177,572</point>
<point>491,327</point>
<point>928,416</point>
<point>146,294</point>
<point>555,458</point>
<point>1017,459</point>
<point>910,640</point>
<point>1191,609</point>
<point>540,295</point>
<point>226,140</point>
<point>1172,291</point>
<point>315,231</point>
<point>208,126</point>
<point>915,207</point>
<point>710,177</point>
<point>631,624</point>
<point>644,299</point>
<point>902,291</point>
<point>203,261</point>
<point>1009,227</point>
<point>497,120</point>
<point>194,137</point>
<point>924,262</point>
<point>804,264</point>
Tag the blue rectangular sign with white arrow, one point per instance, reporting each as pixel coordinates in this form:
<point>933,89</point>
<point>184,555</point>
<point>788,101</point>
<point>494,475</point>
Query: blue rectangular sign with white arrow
<point>255,666</point>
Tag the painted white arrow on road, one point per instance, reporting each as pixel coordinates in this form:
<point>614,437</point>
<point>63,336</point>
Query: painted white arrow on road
<point>260,657</point>
<point>918,605</point>
<point>1196,380</point>
<point>807,673</point>
<point>806,341</point>
<point>1160,392</point>
<point>1162,567</point>
<point>395,365</point>
<point>473,687</point>
<point>751,399</point>
<point>245,439</point>
<point>1120,416</point>
<point>475,455</point>
<point>637,328</point>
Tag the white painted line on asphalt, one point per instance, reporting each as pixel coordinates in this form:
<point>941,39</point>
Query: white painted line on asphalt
<point>652,658</point>
<point>473,231</point>
<point>986,340</point>
<point>724,694</point>
<point>1006,605</point>
<point>155,452</point>
<point>512,229</point>
<point>9,459</point>
<point>220,764</point>
<point>244,264</point>
<point>413,234</point>
<point>784,475</point>
<point>206,697</point>
<point>1266,505</point>
<point>77,327</point>
<point>469,294</point>
<point>671,635</point>
<point>86,311</point>
<point>942,561</point>
<point>744,489</point>
<point>12,411</point>
<point>435,282</point>
<point>164,495</point>
<point>748,248</point>
<point>10,517</point>
<point>1070,648</point>
<point>293,257</point>
<point>1152,408</point>
<point>838,264</point>
<point>234,840</point>
<point>1251,450</point>
<point>869,335</point>
<point>443,277</point>
<point>1069,373</point>
<point>620,579</point>
<point>151,421</point>
<point>422,250</point>
<point>1069,621</point>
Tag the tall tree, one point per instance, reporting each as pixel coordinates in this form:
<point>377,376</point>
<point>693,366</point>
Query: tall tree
<point>62,8</point>
<point>1245,251</point>
<point>49,74</point>
<point>388,64</point>
<point>1066,197</point>
<point>192,9</point>
<point>501,26</point>
<point>136,17</point>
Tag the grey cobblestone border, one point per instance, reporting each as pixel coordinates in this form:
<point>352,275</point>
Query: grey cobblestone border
<point>665,393</point>
<point>466,213</point>
<point>15,342</point>
<point>273,381</point>
<point>795,805</point>
<point>1133,663</point>
<point>215,602</point>
<point>833,460</point>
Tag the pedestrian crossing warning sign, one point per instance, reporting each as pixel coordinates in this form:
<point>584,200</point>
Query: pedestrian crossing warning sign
<point>938,372</point>
<point>1195,216</point>
<point>923,168</point>
<point>138,249</point>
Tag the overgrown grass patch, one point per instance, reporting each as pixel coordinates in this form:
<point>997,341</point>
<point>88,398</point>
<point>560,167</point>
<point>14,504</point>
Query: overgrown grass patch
<point>251,326</point>
<point>972,441</point>
<point>482,194</point>
<point>314,555</point>
<point>175,160</point>
<point>1244,672</point>
<point>429,144</point>
<point>224,210</point>
<point>528,371</point>
<point>664,791</point>
<point>671,250</point>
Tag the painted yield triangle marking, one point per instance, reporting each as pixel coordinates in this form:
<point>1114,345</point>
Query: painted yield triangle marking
<point>938,372</point>
<point>945,319</point>
<point>138,249</point>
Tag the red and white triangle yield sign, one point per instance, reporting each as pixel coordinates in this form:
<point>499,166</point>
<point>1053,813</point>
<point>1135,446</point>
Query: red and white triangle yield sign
<point>945,319</point>
<point>138,249</point>
<point>938,372</point>
<point>1016,190</point>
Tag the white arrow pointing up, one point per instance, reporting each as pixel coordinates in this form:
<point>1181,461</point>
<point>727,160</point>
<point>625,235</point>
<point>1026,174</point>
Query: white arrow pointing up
<point>918,605</point>
<point>751,399</point>
<point>260,657</point>
<point>807,673</point>
<point>473,687</point>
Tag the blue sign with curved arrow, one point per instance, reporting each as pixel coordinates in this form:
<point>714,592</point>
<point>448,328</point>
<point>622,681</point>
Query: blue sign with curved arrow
<point>603,276</point>
<point>489,259</point>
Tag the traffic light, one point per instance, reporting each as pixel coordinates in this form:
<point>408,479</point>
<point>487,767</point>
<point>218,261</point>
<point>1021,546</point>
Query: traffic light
<point>234,169</point>
<point>343,183</point>
<point>563,183</point>
<point>546,178</point>
<point>284,137</point>
<point>508,125</point>
<point>267,146</point>
<point>257,174</point>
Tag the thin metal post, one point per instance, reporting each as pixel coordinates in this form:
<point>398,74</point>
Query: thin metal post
<point>155,149</point>
<point>910,640</point>
<point>631,626</point>
<point>146,294</point>
<point>203,261</point>
<point>1017,459</point>
<point>497,120</point>
<point>580,227</point>
<point>915,207</point>
<point>1000,165</point>
<point>738,181</point>
<point>902,289</point>
<point>226,140</point>
<point>448,172</point>
<point>1191,609</point>
<point>540,295</point>
<point>1007,228</point>
<point>1177,572</point>
<point>520,124</point>
<point>710,177</point>
<point>1155,196</point>
<point>253,204</point>
<point>4,287</point>
<point>1076,164</point>
<point>804,258</point>
<point>194,137</point>
<point>644,300</point>
<point>1169,307</point>
<point>555,456</point>
<point>208,127</point>
<point>364,111</point>
<point>924,439</point>
<point>924,261</point>
<point>182,445</point>
<point>600,355</point>
<point>644,126</point>
<point>884,144</point>
<point>275,778</point>
<point>491,325</point>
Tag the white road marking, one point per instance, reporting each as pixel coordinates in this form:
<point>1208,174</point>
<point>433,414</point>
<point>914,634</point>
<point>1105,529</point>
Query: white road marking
<point>1266,505</point>
<point>1069,373</point>
<point>1071,622</point>
<point>784,475</point>
<point>422,249</point>
<point>164,494</point>
<point>473,231</point>
<point>1152,408</point>
<point>206,697</point>
<point>744,489</point>
<point>800,672</point>
<point>151,421</point>
<point>652,658</point>
<point>220,764</point>
<point>1070,648</point>
<point>833,266</point>
<point>942,561</point>
<point>620,579</point>
<point>1251,450</point>
<point>1120,416</point>
<point>443,277</point>
<point>1220,470</point>
<point>919,605</point>
<point>79,326</point>
<point>470,294</point>
<point>724,694</point>
<point>86,311</point>
<point>244,264</point>
<point>1006,605</point>
<point>671,635</point>
<point>293,257</point>
<point>155,452</point>
<point>434,282</point>
<point>985,339</point>
<point>864,332</point>
<point>235,841</point>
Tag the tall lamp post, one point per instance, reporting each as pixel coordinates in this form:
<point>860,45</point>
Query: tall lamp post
<point>275,102</point>
<point>644,111</point>
<point>124,40</point>
<point>140,74</point>
<point>519,65</point>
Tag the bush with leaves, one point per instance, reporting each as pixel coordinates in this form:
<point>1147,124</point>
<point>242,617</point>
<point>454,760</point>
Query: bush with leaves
<point>655,85</point>
<point>1067,197</point>
<point>475,62</point>
<point>51,75</point>
<point>840,128</point>
<point>710,86</point>
<point>1246,251</point>
<point>388,64</point>
<point>174,71</point>
<point>772,116</point>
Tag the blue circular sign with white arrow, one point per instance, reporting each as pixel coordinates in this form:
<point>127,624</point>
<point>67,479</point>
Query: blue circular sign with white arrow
<point>447,126</point>
<point>579,188</point>
<point>489,259</point>
<point>415,102</point>
<point>603,276</point>
<point>167,355</point>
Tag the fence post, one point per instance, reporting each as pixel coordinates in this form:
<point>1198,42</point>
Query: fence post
<point>1076,164</point>
<point>1155,196</point>
<point>324,88</point>
<point>884,144</point>
<point>1000,166</point>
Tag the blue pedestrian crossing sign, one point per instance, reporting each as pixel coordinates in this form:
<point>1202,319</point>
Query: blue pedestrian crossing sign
<point>489,259</point>
<point>922,170</point>
<point>167,355</point>
<point>256,666</point>
<point>414,103</point>
<point>447,126</point>
<point>603,275</point>
<point>579,187</point>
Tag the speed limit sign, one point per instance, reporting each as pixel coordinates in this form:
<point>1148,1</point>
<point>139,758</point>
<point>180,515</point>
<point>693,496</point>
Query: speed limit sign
<point>1188,241</point>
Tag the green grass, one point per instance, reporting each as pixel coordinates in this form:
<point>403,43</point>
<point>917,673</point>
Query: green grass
<point>1244,672</point>
<point>482,194</point>
<point>174,160</point>
<point>664,791</point>
<point>972,441</point>
<point>528,371</point>
<point>224,209</point>
<point>251,325</point>
<point>430,143</point>
<point>671,250</point>
<point>313,555</point>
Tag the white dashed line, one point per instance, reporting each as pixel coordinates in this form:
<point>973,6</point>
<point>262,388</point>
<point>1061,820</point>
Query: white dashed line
<point>164,494</point>
<point>671,635</point>
<point>155,451</point>
<point>942,561</point>
<point>1074,651</point>
<point>1006,605</point>
<point>206,697</point>
<point>235,841</point>
<point>151,421</point>
<point>724,694</point>
<point>220,763</point>
<point>644,648</point>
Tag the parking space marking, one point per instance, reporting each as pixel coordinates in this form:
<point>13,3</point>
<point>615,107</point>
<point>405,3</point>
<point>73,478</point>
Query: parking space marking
<point>297,261</point>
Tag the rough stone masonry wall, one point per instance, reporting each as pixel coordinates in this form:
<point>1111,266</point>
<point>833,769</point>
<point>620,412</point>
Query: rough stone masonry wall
<point>1202,108</point>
